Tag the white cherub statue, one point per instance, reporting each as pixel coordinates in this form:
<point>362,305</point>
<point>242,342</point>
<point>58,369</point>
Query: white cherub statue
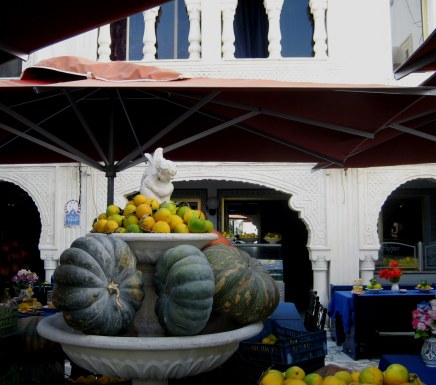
<point>157,177</point>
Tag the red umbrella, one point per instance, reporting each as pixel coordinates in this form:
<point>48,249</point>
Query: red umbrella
<point>32,25</point>
<point>110,124</point>
<point>423,59</point>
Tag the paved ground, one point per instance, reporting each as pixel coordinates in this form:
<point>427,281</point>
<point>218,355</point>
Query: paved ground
<point>335,356</point>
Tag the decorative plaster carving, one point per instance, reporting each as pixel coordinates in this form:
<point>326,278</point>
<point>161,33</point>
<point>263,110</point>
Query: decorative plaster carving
<point>39,183</point>
<point>320,262</point>
<point>375,186</point>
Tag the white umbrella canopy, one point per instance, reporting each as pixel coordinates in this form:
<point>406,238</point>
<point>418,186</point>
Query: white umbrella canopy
<point>107,115</point>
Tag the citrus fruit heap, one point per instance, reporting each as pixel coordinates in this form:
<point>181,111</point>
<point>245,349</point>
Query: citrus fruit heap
<point>143,214</point>
<point>395,374</point>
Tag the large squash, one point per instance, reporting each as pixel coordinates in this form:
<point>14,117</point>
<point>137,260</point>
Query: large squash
<point>244,290</point>
<point>97,285</point>
<point>184,283</point>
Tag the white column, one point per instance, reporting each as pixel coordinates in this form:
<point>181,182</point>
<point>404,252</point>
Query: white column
<point>367,267</point>
<point>149,38</point>
<point>320,266</point>
<point>318,9</point>
<point>273,9</point>
<point>104,43</point>
<point>194,12</point>
<point>50,257</point>
<point>228,10</point>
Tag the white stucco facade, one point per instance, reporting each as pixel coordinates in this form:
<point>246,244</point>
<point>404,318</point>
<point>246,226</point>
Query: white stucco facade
<point>340,208</point>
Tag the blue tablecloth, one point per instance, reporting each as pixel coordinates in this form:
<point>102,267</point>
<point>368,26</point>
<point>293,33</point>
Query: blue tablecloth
<point>413,363</point>
<point>342,303</point>
<point>287,315</point>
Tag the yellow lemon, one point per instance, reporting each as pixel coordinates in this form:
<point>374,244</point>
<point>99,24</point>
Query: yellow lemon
<point>181,211</point>
<point>313,379</point>
<point>143,209</point>
<point>181,228</point>
<point>133,228</point>
<point>371,375</point>
<point>162,214</point>
<point>112,210</point>
<point>395,374</point>
<point>344,375</point>
<point>161,227</point>
<point>129,209</point>
<point>102,216</point>
<point>293,381</point>
<point>333,380</point>
<point>99,225</point>
<point>146,223</point>
<point>153,202</point>
<point>139,199</point>
<point>175,220</point>
<point>295,372</point>
<point>117,218</point>
<point>110,226</point>
<point>170,206</point>
<point>355,376</point>
<point>197,225</point>
<point>190,214</point>
<point>272,377</point>
<point>131,219</point>
<point>209,226</point>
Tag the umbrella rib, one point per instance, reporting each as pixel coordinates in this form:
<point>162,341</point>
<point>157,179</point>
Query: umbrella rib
<point>167,129</point>
<point>210,131</point>
<point>123,105</point>
<point>50,147</point>
<point>412,131</point>
<point>85,125</point>
<point>45,133</point>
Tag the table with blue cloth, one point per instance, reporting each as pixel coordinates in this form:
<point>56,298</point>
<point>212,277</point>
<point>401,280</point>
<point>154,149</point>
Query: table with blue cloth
<point>365,319</point>
<point>287,315</point>
<point>414,363</point>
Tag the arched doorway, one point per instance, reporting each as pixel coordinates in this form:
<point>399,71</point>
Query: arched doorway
<point>407,228</point>
<point>277,216</point>
<point>20,230</point>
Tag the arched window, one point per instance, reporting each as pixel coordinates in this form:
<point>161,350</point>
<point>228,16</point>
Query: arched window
<point>172,30</point>
<point>251,29</point>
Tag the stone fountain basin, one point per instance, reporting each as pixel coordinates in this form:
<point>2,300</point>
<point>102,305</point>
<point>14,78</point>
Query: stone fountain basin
<point>148,247</point>
<point>154,359</point>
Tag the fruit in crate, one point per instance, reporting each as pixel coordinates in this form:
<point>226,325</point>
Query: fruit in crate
<point>143,214</point>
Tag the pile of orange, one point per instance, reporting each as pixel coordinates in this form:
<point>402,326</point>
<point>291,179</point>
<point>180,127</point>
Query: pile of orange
<point>395,374</point>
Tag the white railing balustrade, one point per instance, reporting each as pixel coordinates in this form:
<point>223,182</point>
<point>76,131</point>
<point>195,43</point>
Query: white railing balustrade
<point>227,9</point>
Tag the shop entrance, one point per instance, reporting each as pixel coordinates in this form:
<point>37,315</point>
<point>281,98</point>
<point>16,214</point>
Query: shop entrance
<point>20,230</point>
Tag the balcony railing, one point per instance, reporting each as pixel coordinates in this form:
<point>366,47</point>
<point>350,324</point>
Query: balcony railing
<point>199,45</point>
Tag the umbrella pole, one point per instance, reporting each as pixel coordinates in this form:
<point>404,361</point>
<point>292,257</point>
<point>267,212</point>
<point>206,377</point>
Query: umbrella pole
<point>110,175</point>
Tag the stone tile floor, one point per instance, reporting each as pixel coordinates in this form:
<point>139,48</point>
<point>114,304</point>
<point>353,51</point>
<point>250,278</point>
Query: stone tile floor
<point>336,356</point>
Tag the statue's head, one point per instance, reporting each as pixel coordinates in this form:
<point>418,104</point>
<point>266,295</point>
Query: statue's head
<point>164,169</point>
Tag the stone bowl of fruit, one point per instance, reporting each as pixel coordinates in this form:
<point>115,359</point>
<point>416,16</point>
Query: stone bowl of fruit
<point>248,237</point>
<point>373,287</point>
<point>423,286</point>
<point>272,237</point>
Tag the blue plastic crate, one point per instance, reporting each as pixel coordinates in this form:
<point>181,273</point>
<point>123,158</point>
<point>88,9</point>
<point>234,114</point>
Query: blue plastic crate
<point>292,347</point>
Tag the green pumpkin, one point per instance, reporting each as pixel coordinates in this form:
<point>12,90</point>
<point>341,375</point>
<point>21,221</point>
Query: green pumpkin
<point>184,283</point>
<point>244,290</point>
<point>97,285</point>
